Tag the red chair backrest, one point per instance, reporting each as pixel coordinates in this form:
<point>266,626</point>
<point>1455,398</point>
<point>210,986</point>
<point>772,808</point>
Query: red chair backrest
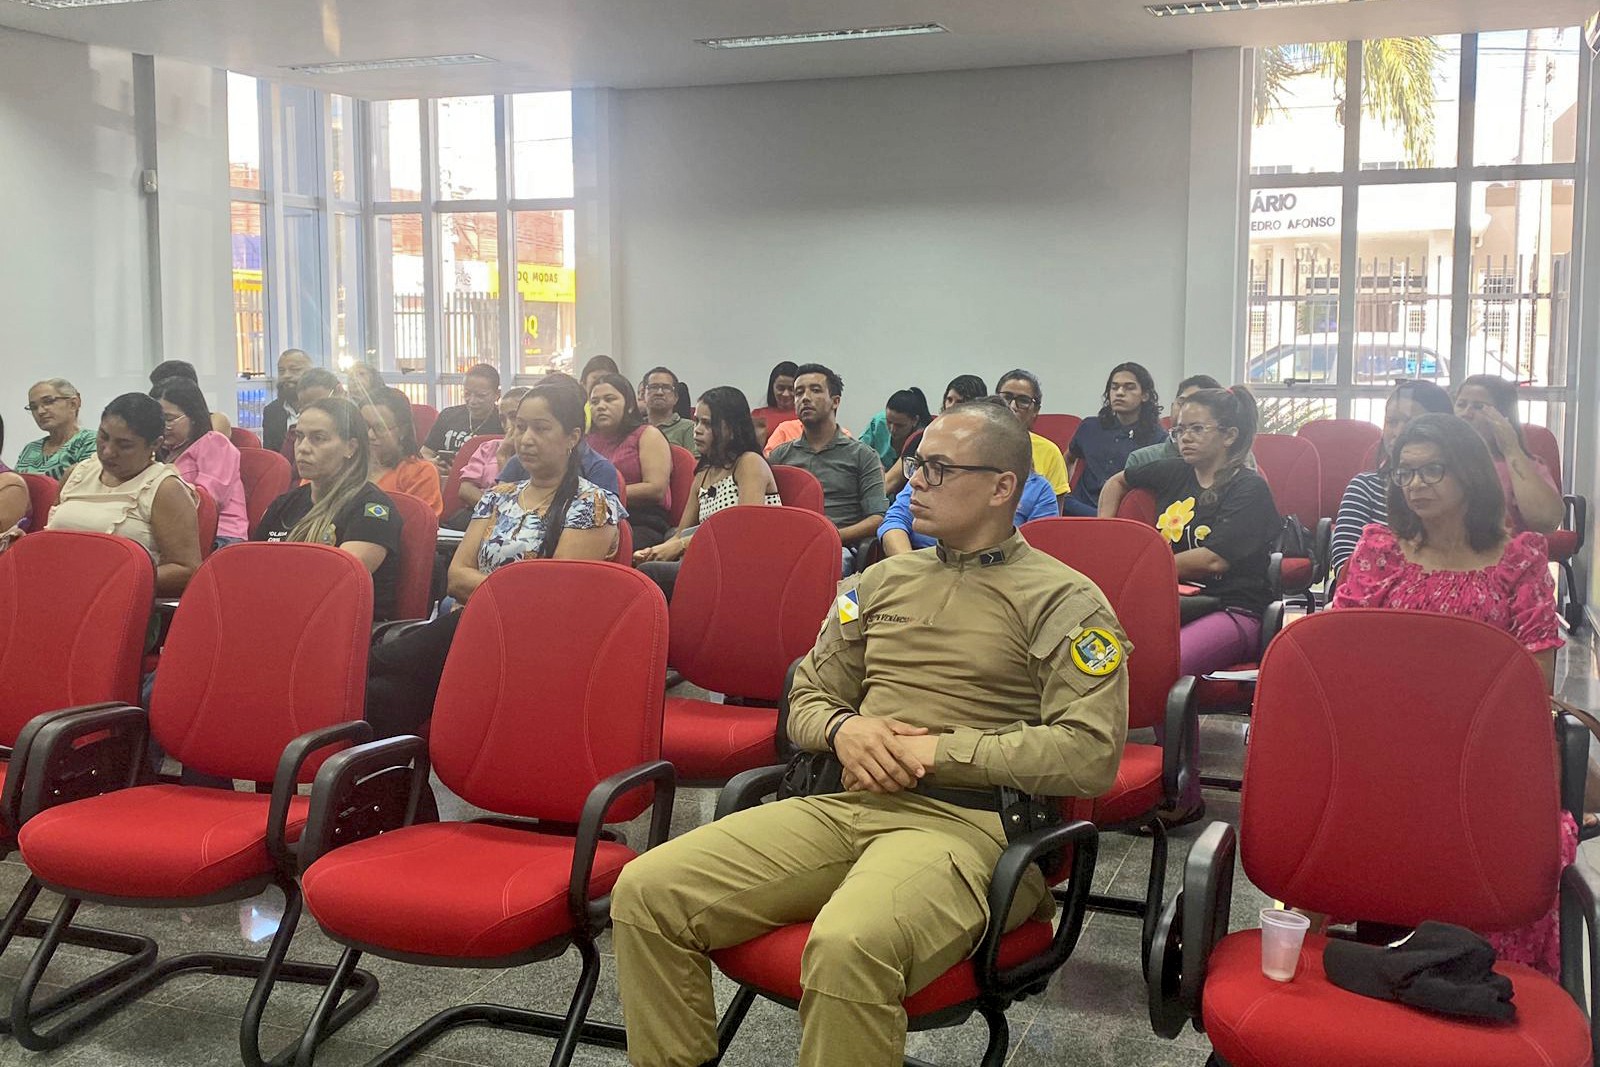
<point>798,488</point>
<point>528,723</point>
<point>1140,506</point>
<point>1132,564</point>
<point>751,594</point>
<point>452,484</point>
<point>1293,472</point>
<point>683,464</point>
<point>265,477</point>
<point>1057,429</point>
<point>1341,446</point>
<point>1369,462</point>
<point>1542,446</point>
<point>423,416</point>
<point>43,491</point>
<point>624,552</point>
<point>1414,784</point>
<point>243,438</point>
<point>419,540</point>
<point>205,510</point>
<point>254,658</point>
<point>74,608</point>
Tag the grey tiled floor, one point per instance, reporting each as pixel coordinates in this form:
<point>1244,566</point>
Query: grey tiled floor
<point>1093,1013</point>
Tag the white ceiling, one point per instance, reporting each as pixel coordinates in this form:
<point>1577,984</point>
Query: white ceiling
<point>553,44</point>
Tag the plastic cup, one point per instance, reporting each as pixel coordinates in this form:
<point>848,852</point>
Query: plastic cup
<point>1282,934</point>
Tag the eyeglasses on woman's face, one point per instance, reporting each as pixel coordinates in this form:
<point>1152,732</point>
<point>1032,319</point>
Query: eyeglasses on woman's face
<point>1426,474</point>
<point>1190,429</point>
<point>44,402</point>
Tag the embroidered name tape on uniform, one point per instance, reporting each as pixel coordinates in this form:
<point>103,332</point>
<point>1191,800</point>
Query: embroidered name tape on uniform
<point>376,511</point>
<point>849,607</point>
<point>1095,652</point>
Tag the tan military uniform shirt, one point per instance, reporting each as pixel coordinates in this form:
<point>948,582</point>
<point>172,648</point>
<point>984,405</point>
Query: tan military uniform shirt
<point>1013,657</point>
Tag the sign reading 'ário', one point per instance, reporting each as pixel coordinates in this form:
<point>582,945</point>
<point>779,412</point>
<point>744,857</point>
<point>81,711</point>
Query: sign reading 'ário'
<point>1295,212</point>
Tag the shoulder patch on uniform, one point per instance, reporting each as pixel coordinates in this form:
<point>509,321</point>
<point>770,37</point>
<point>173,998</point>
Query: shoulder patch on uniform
<point>1096,651</point>
<point>849,604</point>
<point>375,511</point>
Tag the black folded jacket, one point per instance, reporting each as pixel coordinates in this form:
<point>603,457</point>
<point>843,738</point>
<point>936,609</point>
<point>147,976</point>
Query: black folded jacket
<point>1439,968</point>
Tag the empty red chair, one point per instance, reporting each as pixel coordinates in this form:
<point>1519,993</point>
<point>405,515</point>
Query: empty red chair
<point>293,658</point>
<point>1419,786</point>
<point>243,438</point>
<point>419,540</point>
<point>452,484</point>
<point>562,727</point>
<point>683,465</point>
<point>1059,430</point>
<point>751,594</point>
<point>798,488</point>
<point>1341,446</point>
<point>205,510</point>
<point>423,416</point>
<point>42,494</point>
<point>265,477</point>
<point>1566,542</point>
<point>1133,566</point>
<point>1293,471</point>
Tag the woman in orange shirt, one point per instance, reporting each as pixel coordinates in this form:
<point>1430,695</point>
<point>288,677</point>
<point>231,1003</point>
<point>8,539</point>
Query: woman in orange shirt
<point>395,461</point>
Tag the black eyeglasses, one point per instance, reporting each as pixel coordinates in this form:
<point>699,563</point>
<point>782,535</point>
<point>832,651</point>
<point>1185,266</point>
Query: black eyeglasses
<point>933,470</point>
<point>1020,401</point>
<point>1427,474</point>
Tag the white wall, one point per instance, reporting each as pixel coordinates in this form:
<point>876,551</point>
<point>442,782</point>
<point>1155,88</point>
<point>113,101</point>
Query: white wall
<point>74,250</point>
<point>908,229</point>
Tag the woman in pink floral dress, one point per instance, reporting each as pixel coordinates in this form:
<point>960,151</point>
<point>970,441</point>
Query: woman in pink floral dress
<point>1447,549</point>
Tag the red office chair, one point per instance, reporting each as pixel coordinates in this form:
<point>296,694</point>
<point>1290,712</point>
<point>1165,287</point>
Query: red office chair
<point>798,488</point>
<point>1567,542</point>
<point>1140,506</point>
<point>77,601</point>
<point>419,540</point>
<point>1057,429</point>
<point>1341,446</point>
<point>265,477</point>
<point>452,484</point>
<point>565,729</point>
<point>1293,471</point>
<point>205,510</point>
<point>1132,564</point>
<point>294,675</point>
<point>624,552</point>
<point>43,492</point>
<point>683,465</point>
<point>1004,968</point>
<point>753,590</point>
<point>423,416</point>
<point>243,438</point>
<point>1419,786</point>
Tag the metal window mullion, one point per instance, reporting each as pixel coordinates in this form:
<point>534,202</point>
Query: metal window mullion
<point>565,203</point>
<point>1461,243</point>
<point>323,107</point>
<point>506,253</point>
<point>1349,231</point>
<point>433,317</point>
<point>272,233</point>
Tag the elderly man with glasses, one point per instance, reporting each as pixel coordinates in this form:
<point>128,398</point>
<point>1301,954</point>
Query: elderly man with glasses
<point>1023,394</point>
<point>659,395</point>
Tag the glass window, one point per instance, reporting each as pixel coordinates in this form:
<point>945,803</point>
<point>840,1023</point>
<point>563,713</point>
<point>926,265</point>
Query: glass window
<point>342,123</point>
<point>541,145</point>
<point>1299,89</point>
<point>302,280</point>
<point>467,148</point>
<point>244,132</point>
<point>1527,97</point>
<point>469,248</point>
<point>1520,278</point>
<point>347,290</point>
<point>1294,284</point>
<point>547,291</point>
<point>1404,270</point>
<point>402,314</point>
<point>1286,414</point>
<point>302,141</point>
<point>1411,102</point>
<point>397,150</point>
<point>249,309</point>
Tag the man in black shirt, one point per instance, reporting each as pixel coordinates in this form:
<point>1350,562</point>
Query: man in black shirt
<point>462,422</point>
<point>278,417</point>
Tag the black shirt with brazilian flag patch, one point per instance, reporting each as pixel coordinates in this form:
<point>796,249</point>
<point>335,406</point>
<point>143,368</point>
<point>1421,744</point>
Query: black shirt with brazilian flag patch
<point>369,517</point>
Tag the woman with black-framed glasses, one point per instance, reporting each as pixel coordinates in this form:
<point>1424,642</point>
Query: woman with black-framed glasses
<point>54,405</point>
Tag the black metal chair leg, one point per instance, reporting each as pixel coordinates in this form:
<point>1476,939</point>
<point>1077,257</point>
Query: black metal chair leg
<point>731,1020</point>
<point>1155,889</point>
<point>999,1035</point>
<point>578,1009</point>
<point>318,1028</point>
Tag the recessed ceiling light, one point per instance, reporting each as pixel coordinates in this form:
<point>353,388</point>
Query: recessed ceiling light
<point>1214,7</point>
<point>866,33</point>
<point>57,5</point>
<point>357,66</point>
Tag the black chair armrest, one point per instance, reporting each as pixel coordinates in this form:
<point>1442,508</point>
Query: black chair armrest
<point>1578,906</point>
<point>358,794</point>
<point>1572,749</point>
<point>745,789</point>
<point>1275,573</point>
<point>16,758</point>
<point>589,914</point>
<point>394,629</point>
<point>1271,624</point>
<point>1009,871</point>
<point>1208,900</point>
<point>1177,757</point>
<point>785,746</point>
<point>1321,549</point>
<point>286,782</point>
<point>67,761</point>
<point>1576,518</point>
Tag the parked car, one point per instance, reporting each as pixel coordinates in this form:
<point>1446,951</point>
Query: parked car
<point>1379,358</point>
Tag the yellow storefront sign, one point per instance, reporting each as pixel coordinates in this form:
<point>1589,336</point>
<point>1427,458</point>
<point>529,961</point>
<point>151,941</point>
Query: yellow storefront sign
<point>541,284</point>
<point>246,281</point>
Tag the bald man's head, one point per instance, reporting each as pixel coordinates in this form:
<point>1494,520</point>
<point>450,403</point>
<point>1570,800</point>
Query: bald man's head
<point>998,439</point>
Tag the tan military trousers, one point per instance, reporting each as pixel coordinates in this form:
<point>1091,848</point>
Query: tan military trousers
<point>897,888</point>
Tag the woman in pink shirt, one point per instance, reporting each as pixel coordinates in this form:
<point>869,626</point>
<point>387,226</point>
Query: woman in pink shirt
<point>203,457</point>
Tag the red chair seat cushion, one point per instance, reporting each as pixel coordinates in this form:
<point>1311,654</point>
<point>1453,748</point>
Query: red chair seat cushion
<point>1233,696</point>
<point>1562,544</point>
<point>155,842</point>
<point>714,742</point>
<point>1255,1022</point>
<point>455,889</point>
<point>1295,574</point>
<point>771,963</point>
<point>1137,789</point>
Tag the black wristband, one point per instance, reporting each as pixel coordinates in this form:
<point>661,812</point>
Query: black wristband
<point>843,716</point>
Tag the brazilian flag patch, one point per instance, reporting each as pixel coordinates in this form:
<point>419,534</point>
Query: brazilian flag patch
<point>375,511</point>
<point>1096,652</point>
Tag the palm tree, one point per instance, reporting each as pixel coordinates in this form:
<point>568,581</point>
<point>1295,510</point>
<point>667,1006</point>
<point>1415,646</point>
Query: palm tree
<point>1397,84</point>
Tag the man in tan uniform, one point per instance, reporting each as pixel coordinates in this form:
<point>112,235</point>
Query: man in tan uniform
<point>938,675</point>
